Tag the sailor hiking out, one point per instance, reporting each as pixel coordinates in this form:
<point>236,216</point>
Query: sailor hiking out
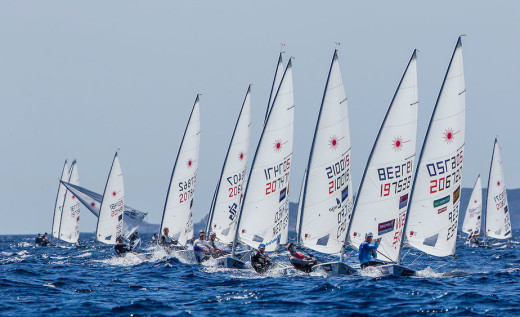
<point>260,261</point>
<point>300,261</point>
<point>202,248</point>
<point>121,248</point>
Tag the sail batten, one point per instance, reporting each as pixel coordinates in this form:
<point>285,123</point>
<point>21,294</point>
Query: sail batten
<point>433,212</point>
<point>384,192</point>
<point>177,214</point>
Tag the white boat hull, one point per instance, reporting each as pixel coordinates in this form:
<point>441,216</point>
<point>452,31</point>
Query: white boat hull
<point>334,268</point>
<point>394,270</point>
<point>231,263</point>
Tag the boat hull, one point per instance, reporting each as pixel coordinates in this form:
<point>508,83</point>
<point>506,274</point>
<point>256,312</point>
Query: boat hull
<point>395,270</point>
<point>334,268</point>
<point>231,263</point>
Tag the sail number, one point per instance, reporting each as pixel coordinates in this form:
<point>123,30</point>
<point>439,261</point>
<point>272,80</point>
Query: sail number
<point>236,184</point>
<point>187,189</point>
<point>454,219</point>
<point>280,173</point>
<point>338,174</point>
<point>401,174</point>
<point>447,173</point>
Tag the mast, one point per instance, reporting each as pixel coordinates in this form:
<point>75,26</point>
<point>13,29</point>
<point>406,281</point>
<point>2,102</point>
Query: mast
<point>215,196</point>
<point>104,192</point>
<point>410,204</point>
<point>289,66</point>
<point>274,86</point>
<point>64,169</point>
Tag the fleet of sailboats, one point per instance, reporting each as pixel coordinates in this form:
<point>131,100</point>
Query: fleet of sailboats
<point>403,203</point>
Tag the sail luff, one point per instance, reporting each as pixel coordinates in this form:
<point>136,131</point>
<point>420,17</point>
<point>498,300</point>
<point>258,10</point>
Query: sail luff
<point>275,85</point>
<point>60,197</point>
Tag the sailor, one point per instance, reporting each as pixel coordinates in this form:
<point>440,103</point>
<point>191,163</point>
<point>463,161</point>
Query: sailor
<point>154,238</point>
<point>45,240</point>
<point>165,239</point>
<point>217,252</point>
<point>121,247</point>
<point>133,238</point>
<point>38,240</point>
<point>299,260</point>
<point>202,248</point>
<point>260,261</point>
<point>79,245</point>
<point>367,255</point>
<point>473,239</point>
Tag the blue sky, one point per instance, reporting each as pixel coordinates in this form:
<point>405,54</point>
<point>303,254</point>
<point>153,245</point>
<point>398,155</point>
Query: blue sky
<point>81,79</point>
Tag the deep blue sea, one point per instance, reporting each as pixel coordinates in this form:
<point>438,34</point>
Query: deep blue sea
<point>65,281</point>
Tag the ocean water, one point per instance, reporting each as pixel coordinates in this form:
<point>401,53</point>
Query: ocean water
<point>65,281</point>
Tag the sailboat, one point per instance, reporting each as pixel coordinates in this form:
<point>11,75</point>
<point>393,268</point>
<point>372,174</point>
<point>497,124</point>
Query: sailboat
<point>177,214</point>
<point>384,192</point>
<point>69,223</point>
<point>473,216</point>
<point>264,215</point>
<point>58,206</point>
<point>132,217</point>
<point>110,220</point>
<point>326,203</point>
<point>228,196</point>
<point>498,221</point>
<point>433,211</point>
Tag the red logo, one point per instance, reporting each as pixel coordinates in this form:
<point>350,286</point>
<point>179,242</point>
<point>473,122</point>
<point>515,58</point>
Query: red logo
<point>189,163</point>
<point>333,142</point>
<point>277,145</point>
<point>241,155</point>
<point>449,135</point>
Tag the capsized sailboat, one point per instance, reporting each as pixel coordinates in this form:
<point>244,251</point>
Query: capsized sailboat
<point>433,211</point>
<point>473,216</point>
<point>69,223</point>
<point>228,196</point>
<point>110,220</point>
<point>60,198</point>
<point>132,217</point>
<point>264,216</point>
<point>177,214</point>
<point>384,192</point>
<point>498,220</point>
<point>326,203</point>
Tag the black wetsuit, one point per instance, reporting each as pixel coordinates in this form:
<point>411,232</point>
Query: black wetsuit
<point>121,249</point>
<point>38,241</point>
<point>259,262</point>
<point>45,242</point>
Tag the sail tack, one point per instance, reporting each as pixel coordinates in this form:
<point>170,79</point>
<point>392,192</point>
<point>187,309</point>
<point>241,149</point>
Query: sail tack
<point>327,203</point>
<point>110,220</point>
<point>384,192</point>
<point>473,217</point>
<point>264,215</point>
<point>177,215</point>
<point>69,225</point>
<point>498,222</point>
<point>225,208</point>
<point>433,212</point>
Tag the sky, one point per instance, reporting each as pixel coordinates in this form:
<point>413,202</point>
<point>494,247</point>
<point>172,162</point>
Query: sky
<point>83,79</point>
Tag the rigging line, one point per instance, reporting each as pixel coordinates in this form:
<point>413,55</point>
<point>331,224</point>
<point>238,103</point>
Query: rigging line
<point>406,255</point>
<point>445,264</point>
<point>386,257</point>
<point>415,258</point>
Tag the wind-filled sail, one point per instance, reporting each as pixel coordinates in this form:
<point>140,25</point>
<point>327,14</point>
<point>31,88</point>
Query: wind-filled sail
<point>264,215</point>
<point>92,200</point>
<point>110,220</point>
<point>224,213</point>
<point>60,198</point>
<point>327,198</point>
<point>276,83</point>
<point>473,217</point>
<point>433,213</point>
<point>69,226</point>
<point>385,188</point>
<point>498,222</point>
<point>177,215</point>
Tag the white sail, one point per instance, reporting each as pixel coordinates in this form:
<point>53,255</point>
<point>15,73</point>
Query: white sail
<point>60,198</point>
<point>92,200</point>
<point>110,220</point>
<point>433,213</point>
<point>327,200</point>
<point>498,222</point>
<point>276,83</point>
<point>69,226</point>
<point>385,188</point>
<point>300,204</point>
<point>264,216</point>
<point>224,213</point>
<point>177,215</point>
<point>473,217</point>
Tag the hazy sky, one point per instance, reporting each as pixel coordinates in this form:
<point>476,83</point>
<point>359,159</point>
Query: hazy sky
<point>81,79</point>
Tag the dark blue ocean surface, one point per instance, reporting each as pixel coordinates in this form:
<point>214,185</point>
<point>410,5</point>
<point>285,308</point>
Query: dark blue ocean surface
<point>65,281</point>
